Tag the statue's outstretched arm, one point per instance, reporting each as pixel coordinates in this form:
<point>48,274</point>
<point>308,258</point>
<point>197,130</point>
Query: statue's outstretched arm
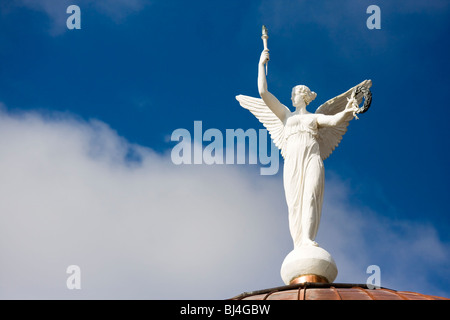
<point>335,120</point>
<point>269,99</point>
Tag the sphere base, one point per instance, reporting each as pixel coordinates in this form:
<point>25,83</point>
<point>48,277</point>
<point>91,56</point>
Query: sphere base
<point>308,262</point>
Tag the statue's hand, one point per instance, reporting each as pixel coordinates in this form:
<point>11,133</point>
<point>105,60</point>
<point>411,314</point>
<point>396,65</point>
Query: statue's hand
<point>352,106</point>
<point>264,57</point>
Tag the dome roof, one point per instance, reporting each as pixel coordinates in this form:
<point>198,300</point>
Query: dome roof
<point>332,291</point>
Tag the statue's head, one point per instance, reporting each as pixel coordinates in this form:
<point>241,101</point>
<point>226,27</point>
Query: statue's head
<point>302,92</point>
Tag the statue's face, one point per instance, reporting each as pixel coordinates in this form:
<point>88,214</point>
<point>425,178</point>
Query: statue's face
<point>298,97</point>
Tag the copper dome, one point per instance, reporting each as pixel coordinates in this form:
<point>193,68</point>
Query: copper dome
<point>332,291</point>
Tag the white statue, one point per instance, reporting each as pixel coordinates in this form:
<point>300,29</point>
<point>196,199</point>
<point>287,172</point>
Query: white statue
<point>305,140</point>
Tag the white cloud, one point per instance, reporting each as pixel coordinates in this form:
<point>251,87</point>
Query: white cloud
<point>149,230</point>
<point>154,230</point>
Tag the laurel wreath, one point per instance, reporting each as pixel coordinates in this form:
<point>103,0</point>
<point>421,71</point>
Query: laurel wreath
<point>367,98</point>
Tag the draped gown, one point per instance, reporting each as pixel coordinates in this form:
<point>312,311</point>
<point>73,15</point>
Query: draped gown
<point>303,178</point>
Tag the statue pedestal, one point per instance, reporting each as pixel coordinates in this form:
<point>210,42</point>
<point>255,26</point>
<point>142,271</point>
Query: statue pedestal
<point>308,262</point>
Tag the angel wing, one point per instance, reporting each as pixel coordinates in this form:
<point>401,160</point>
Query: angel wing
<point>330,137</point>
<point>270,121</point>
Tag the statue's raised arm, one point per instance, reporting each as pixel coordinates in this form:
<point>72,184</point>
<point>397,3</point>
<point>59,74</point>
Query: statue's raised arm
<point>280,110</point>
<point>268,110</point>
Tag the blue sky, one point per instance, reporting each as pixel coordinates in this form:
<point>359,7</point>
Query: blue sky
<point>138,70</point>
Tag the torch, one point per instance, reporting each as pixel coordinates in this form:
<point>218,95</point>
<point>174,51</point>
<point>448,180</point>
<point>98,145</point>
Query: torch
<point>264,38</point>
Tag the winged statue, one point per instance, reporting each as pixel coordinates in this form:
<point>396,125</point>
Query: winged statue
<point>305,140</point>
